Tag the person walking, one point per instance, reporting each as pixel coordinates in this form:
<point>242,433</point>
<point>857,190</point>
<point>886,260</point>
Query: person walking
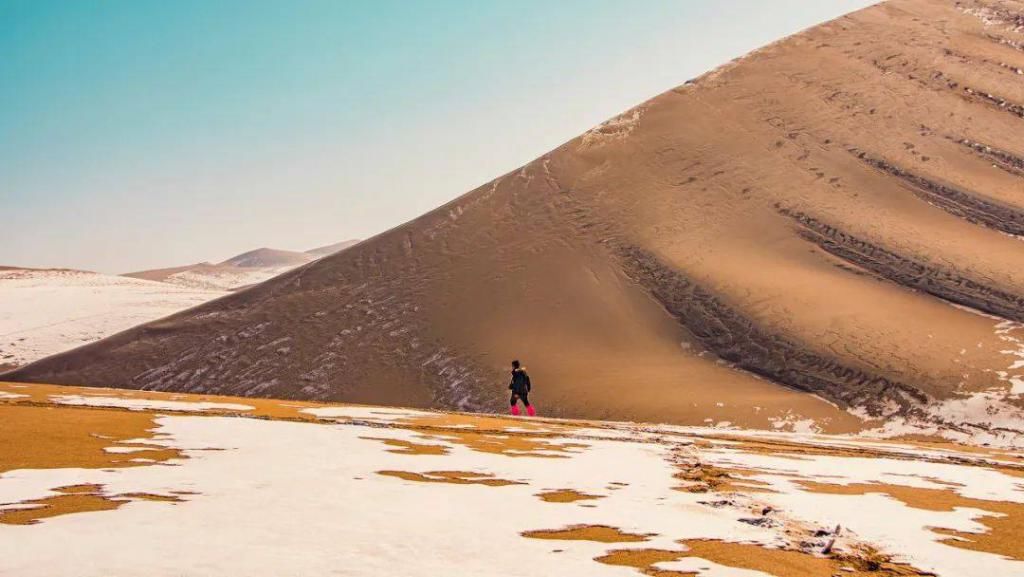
<point>520,387</point>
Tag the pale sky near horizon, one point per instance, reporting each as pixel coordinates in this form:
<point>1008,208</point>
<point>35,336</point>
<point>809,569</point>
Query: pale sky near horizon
<point>146,134</point>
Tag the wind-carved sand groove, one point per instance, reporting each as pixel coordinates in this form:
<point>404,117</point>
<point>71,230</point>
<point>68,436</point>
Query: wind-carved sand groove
<point>1005,160</point>
<point>940,282</point>
<point>730,336</point>
<point>969,206</point>
<point>1004,41</point>
<point>968,59</point>
<point>996,101</point>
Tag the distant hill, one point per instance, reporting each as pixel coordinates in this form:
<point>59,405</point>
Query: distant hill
<point>47,311</point>
<point>269,258</point>
<point>241,271</point>
<point>332,248</point>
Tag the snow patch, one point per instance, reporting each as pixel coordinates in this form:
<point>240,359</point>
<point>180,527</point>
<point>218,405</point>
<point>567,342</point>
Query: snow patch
<point>146,404</point>
<point>615,128</point>
<point>1008,331</point>
<point>365,413</point>
<point>126,450</point>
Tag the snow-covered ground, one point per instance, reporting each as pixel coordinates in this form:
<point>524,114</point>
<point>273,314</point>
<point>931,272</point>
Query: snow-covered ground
<point>224,278</point>
<point>43,312</point>
<point>312,490</point>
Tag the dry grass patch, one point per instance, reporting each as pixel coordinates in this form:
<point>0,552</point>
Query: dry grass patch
<point>154,497</point>
<point>704,478</point>
<point>1005,523</point>
<point>36,437</point>
<point>644,560</point>
<point>600,533</point>
<point>409,448</point>
<point>700,477</point>
<point>566,496</point>
<point>453,477</point>
<point>775,562</point>
<point>509,445</point>
<point>788,563</point>
<point>75,499</point>
<point>480,423</point>
<point>261,408</point>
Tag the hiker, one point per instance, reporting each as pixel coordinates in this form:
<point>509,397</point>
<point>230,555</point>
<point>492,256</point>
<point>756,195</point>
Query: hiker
<point>520,386</point>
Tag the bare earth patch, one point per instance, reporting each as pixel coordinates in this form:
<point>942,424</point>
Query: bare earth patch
<point>509,445</point>
<point>786,563</point>
<point>566,496</point>
<point>1005,521</point>
<point>73,499</point>
<point>704,478</point>
<point>47,437</point>
<point>402,447</point>
<point>453,477</point>
<point>599,533</point>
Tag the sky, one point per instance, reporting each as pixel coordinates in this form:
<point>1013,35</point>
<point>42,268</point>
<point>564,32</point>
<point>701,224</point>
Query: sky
<point>141,134</point>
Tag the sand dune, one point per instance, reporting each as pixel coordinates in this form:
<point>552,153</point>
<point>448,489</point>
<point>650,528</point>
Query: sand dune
<point>827,229</point>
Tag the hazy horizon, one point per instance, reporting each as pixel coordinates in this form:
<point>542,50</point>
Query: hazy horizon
<point>142,135</point>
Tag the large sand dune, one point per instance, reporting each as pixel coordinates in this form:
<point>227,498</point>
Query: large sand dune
<point>830,223</point>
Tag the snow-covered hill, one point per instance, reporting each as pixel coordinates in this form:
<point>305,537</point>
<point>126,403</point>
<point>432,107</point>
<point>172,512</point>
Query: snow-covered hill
<point>47,311</point>
<point>217,277</point>
<point>330,249</point>
<point>269,258</point>
<point>239,271</point>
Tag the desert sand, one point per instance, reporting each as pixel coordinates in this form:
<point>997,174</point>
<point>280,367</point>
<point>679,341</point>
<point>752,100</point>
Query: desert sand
<point>824,234</point>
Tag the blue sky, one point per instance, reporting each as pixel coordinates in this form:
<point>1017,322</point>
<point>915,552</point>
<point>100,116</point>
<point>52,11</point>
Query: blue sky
<point>139,134</point>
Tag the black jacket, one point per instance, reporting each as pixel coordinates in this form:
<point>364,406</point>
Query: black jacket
<point>520,381</point>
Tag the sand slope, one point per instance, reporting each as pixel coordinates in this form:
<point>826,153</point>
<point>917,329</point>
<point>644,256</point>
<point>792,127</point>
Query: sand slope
<point>838,213</point>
